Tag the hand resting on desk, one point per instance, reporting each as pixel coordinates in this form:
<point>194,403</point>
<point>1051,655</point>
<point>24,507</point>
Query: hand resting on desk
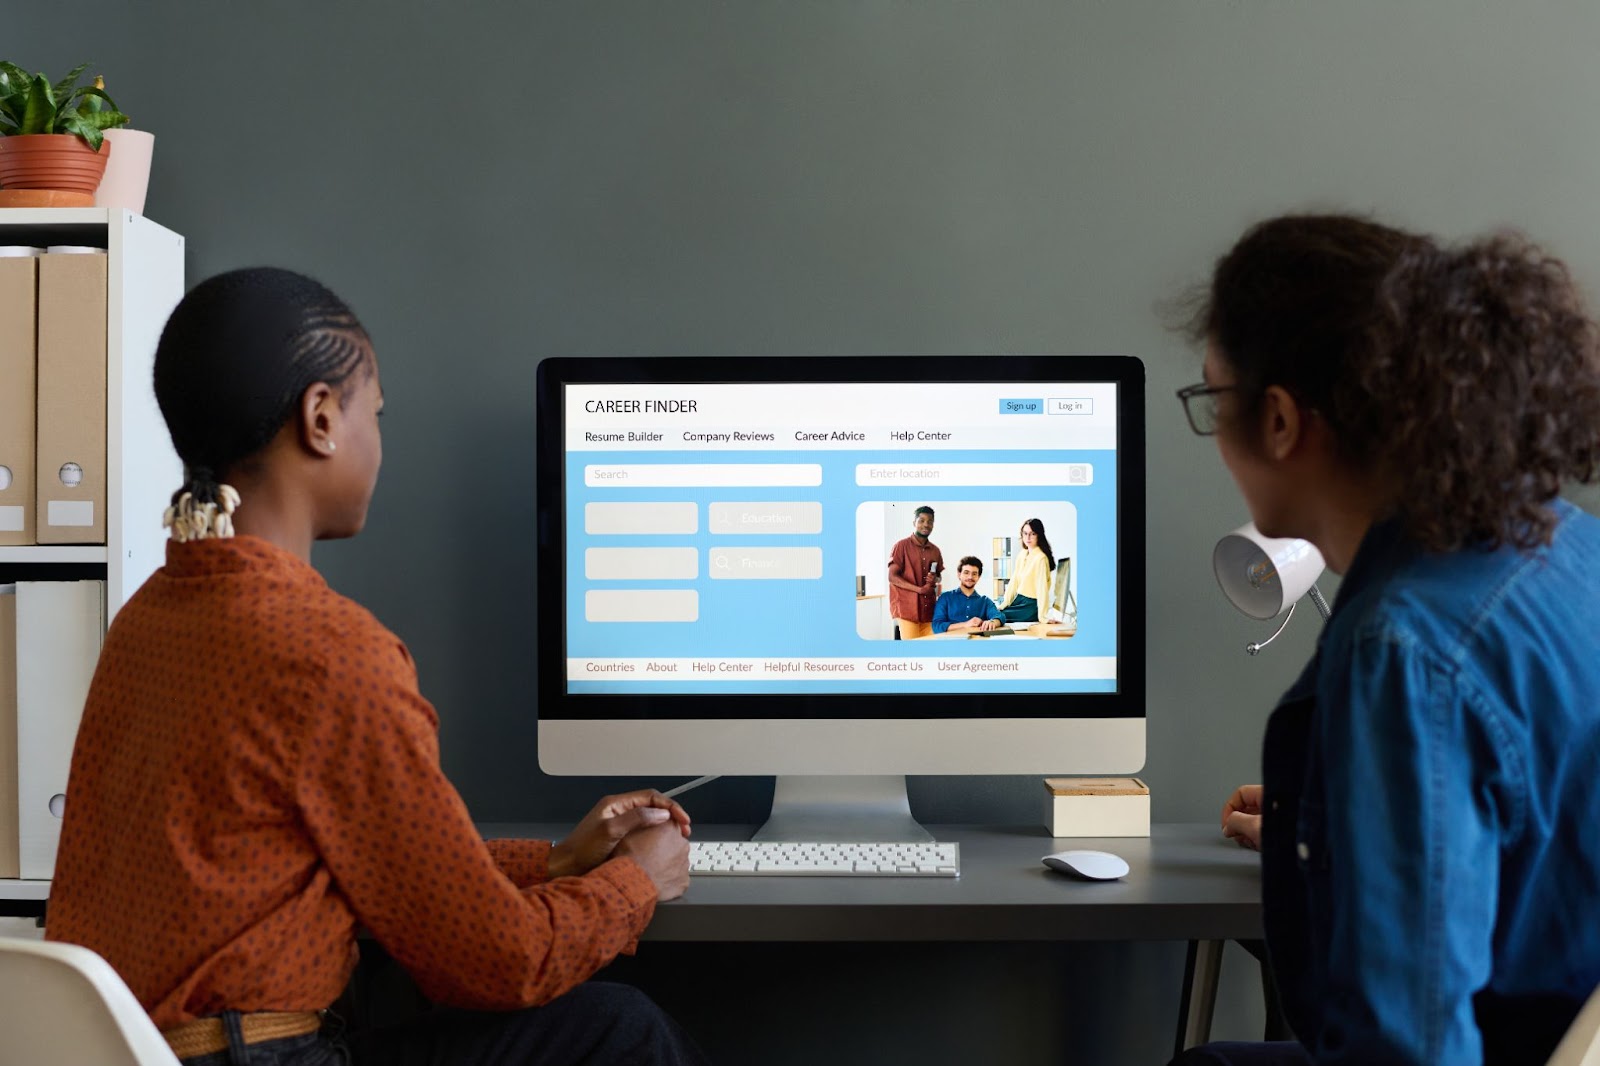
<point>663,853</point>
<point>1241,817</point>
<point>593,840</point>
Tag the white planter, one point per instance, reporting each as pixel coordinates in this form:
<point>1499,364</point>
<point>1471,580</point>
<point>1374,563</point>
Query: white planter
<point>127,170</point>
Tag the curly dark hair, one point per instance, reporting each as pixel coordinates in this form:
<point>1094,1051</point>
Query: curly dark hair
<point>1467,377</point>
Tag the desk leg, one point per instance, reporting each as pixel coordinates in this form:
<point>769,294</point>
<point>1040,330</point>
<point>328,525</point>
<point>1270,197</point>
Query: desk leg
<point>1200,974</point>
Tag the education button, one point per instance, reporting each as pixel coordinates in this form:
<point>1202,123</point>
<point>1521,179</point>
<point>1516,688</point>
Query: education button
<point>1022,407</point>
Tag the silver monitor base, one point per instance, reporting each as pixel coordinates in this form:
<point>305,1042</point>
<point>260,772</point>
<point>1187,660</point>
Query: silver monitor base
<point>866,809</point>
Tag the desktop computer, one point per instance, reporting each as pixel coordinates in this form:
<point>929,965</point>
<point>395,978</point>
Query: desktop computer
<point>735,577</point>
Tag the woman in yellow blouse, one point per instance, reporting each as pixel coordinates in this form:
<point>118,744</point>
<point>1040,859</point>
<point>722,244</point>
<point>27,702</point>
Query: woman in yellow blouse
<point>1030,585</point>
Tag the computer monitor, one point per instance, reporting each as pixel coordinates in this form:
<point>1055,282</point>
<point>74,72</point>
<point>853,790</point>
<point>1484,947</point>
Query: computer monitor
<point>716,538</point>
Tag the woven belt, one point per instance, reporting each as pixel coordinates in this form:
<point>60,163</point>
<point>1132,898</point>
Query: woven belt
<point>205,1036</point>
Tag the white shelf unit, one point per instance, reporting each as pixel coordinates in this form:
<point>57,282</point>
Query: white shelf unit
<point>53,553</point>
<point>144,275</point>
<point>11,889</point>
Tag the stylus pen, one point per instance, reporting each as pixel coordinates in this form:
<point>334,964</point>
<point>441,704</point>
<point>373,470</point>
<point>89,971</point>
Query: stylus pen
<point>687,785</point>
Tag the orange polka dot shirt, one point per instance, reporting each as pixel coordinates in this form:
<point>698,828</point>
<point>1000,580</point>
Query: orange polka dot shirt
<point>257,775</point>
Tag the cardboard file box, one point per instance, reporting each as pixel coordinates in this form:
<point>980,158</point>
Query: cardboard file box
<point>71,469</point>
<point>1097,807</point>
<point>18,285</point>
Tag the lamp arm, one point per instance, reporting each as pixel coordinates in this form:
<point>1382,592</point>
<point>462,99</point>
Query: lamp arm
<point>1316,598</point>
<point>1258,645</point>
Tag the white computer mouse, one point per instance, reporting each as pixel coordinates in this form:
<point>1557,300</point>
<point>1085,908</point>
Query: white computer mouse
<point>1091,865</point>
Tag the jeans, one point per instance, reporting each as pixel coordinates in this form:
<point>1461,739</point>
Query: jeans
<point>597,1023</point>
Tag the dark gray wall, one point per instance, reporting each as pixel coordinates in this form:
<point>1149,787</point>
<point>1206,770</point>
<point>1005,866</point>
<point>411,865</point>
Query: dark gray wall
<point>491,183</point>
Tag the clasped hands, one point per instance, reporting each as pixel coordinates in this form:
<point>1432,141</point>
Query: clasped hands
<point>644,826</point>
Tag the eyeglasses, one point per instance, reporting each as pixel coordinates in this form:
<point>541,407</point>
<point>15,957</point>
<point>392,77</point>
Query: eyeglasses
<point>1200,405</point>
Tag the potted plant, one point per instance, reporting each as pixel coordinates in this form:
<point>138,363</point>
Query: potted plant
<point>52,137</point>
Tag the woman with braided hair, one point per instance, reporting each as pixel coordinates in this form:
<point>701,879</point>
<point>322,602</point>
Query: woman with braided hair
<point>1427,819</point>
<point>257,775</point>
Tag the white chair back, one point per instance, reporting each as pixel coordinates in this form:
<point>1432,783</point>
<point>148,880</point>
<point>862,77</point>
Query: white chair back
<point>60,1003</point>
<point>1581,1045</point>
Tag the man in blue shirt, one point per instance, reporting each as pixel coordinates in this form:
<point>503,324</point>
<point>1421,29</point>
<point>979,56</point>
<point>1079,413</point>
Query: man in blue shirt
<point>964,608</point>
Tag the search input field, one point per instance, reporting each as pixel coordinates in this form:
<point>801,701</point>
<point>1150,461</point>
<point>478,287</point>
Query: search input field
<point>766,564</point>
<point>1055,475</point>
<point>701,475</point>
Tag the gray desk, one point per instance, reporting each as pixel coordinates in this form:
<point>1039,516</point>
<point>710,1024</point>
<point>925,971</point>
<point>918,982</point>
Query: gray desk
<point>1184,883</point>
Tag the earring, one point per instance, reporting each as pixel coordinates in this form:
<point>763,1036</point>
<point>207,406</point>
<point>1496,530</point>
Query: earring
<point>332,446</point>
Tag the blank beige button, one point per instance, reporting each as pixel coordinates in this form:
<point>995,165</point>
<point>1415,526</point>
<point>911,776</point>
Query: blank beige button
<point>601,519</point>
<point>641,564</point>
<point>641,605</point>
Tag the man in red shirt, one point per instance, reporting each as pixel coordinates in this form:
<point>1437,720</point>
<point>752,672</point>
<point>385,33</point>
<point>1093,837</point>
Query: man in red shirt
<point>915,567</point>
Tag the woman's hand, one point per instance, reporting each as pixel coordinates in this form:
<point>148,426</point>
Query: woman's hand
<point>1241,817</point>
<point>592,840</point>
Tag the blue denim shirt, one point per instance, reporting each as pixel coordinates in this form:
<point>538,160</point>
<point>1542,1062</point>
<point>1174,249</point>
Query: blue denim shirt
<point>1431,837</point>
<point>956,606</point>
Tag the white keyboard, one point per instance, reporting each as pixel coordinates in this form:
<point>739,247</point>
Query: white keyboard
<point>745,858</point>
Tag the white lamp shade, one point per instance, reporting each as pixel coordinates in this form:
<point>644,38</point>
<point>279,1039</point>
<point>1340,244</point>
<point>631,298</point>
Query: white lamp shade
<point>1264,576</point>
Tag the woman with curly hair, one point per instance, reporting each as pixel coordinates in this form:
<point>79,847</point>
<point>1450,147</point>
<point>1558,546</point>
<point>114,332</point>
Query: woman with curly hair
<point>1430,859</point>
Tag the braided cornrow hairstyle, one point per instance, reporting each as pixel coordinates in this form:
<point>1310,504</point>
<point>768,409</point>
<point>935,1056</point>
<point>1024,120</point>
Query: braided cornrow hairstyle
<point>234,359</point>
<point>1468,377</point>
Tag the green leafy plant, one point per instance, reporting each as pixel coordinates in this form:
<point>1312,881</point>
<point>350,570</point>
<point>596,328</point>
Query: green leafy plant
<point>30,104</point>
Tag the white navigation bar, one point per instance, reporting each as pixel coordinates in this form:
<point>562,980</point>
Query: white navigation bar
<point>841,415</point>
<point>896,670</point>
<point>1042,433</point>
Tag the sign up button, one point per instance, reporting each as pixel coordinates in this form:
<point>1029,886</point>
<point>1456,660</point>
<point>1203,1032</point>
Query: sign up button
<point>1022,407</point>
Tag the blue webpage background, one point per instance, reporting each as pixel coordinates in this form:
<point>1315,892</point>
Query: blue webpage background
<point>817,618</point>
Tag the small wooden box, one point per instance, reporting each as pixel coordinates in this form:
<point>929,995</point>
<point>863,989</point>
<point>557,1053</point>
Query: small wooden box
<point>1097,807</point>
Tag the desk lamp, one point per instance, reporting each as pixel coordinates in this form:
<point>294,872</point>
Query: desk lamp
<point>1265,576</point>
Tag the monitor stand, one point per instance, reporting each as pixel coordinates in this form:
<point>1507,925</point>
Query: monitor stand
<point>864,809</point>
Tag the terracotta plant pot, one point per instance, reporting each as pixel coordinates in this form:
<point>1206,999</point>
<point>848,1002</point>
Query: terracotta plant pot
<point>59,161</point>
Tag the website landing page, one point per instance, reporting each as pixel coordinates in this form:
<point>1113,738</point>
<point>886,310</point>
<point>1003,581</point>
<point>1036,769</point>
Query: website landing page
<point>740,538</point>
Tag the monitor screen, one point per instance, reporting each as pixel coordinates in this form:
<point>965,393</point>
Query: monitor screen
<point>833,538</point>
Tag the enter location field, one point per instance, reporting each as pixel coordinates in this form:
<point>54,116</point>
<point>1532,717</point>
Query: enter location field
<point>765,564</point>
<point>766,518</point>
<point>1052,475</point>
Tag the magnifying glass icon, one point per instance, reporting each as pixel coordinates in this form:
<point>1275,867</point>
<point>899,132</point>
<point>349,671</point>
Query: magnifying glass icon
<point>721,562</point>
